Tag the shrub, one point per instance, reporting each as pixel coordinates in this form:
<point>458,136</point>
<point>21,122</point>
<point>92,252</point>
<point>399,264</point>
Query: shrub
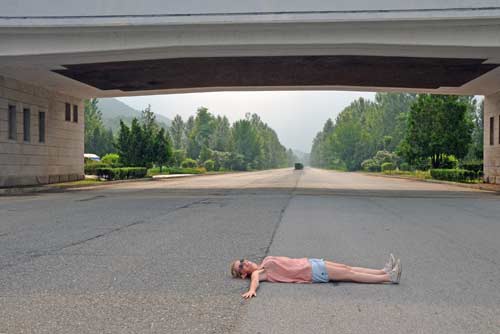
<point>384,156</point>
<point>422,164</point>
<point>456,175</point>
<point>476,166</point>
<point>189,163</point>
<point>338,164</point>
<point>124,173</point>
<point>387,166</point>
<point>209,165</point>
<point>370,165</point>
<point>404,166</point>
<point>91,167</point>
<point>449,162</point>
<point>111,159</point>
<point>221,160</point>
<point>237,162</point>
<point>176,170</point>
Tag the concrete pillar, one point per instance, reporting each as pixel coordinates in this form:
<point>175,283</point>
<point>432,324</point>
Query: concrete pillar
<point>492,138</point>
<point>27,157</point>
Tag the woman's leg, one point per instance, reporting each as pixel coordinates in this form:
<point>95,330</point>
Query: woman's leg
<point>346,273</point>
<point>359,269</point>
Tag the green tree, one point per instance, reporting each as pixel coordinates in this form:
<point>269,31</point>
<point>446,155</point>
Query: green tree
<point>136,145</point>
<point>246,142</point>
<point>222,134</point>
<point>177,133</point>
<point>438,125</point>
<point>476,147</point>
<point>162,148</point>
<point>123,144</point>
<point>148,136</point>
<point>97,139</point>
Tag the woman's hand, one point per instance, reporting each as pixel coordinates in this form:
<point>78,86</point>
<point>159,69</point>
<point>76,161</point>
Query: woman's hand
<point>249,294</point>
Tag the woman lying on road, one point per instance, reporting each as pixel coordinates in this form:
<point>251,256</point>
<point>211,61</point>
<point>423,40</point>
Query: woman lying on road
<point>286,270</point>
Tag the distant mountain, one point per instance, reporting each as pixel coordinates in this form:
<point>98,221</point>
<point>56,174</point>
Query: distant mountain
<point>113,110</point>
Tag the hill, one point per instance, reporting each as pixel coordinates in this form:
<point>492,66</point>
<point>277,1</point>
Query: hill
<point>113,110</point>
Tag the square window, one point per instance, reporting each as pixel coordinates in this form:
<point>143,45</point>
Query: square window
<point>27,124</point>
<point>68,112</point>
<point>12,122</point>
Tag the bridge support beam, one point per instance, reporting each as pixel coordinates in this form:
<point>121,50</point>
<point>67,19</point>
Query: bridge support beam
<point>492,138</point>
<point>41,135</point>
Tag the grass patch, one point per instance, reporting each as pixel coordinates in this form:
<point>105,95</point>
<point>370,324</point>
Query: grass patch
<point>418,174</point>
<point>175,170</point>
<point>77,183</point>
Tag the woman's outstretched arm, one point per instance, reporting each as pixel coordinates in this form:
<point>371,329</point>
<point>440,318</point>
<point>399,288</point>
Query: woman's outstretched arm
<point>257,275</point>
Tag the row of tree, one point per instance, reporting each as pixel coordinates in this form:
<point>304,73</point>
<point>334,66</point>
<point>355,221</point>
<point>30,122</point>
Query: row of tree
<point>247,144</point>
<point>421,129</point>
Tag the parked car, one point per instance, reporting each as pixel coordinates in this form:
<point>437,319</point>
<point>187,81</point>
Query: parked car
<point>91,156</point>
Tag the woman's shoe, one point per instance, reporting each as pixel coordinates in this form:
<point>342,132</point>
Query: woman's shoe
<point>395,273</point>
<point>390,265</point>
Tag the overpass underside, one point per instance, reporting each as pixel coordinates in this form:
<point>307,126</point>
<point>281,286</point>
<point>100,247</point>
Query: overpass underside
<point>50,63</point>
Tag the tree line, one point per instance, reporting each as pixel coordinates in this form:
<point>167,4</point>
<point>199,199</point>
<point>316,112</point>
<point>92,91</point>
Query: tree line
<point>408,130</point>
<point>203,139</point>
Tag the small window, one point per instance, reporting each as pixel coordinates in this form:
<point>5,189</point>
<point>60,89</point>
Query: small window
<point>492,130</point>
<point>27,124</point>
<point>41,127</point>
<point>75,113</point>
<point>68,112</point>
<point>12,122</point>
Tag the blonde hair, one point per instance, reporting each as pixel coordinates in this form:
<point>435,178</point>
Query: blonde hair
<point>235,273</point>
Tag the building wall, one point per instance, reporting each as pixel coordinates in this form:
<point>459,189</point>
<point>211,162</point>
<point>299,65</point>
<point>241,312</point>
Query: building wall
<point>60,157</point>
<point>492,151</point>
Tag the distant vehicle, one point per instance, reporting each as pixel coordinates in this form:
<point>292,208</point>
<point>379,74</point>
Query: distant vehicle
<point>91,156</point>
<point>299,166</point>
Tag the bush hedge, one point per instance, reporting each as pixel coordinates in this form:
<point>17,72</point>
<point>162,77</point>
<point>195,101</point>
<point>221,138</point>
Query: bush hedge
<point>209,165</point>
<point>111,159</point>
<point>174,170</point>
<point>476,166</point>
<point>124,173</point>
<point>370,165</point>
<point>189,163</point>
<point>386,166</point>
<point>456,175</point>
<point>405,166</point>
<point>90,168</point>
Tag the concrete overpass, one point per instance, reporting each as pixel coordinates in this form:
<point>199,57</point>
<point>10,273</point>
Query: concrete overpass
<point>52,57</point>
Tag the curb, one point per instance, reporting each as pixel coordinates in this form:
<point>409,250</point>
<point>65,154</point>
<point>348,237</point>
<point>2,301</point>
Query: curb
<point>60,187</point>
<point>477,186</point>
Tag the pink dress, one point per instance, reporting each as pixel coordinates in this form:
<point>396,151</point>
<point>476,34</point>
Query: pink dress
<point>287,270</point>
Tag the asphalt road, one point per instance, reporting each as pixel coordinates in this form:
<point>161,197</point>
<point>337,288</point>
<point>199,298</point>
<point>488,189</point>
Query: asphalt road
<point>153,257</point>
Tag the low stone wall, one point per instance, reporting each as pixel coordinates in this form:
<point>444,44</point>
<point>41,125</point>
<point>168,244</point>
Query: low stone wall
<point>29,159</point>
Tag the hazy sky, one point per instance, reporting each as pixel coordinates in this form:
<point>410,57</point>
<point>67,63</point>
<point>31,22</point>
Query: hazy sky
<point>296,116</point>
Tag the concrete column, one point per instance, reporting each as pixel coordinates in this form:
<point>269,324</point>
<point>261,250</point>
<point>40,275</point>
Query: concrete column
<point>28,157</point>
<point>492,138</point>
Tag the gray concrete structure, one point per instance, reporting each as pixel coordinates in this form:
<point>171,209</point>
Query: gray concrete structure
<point>124,48</point>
